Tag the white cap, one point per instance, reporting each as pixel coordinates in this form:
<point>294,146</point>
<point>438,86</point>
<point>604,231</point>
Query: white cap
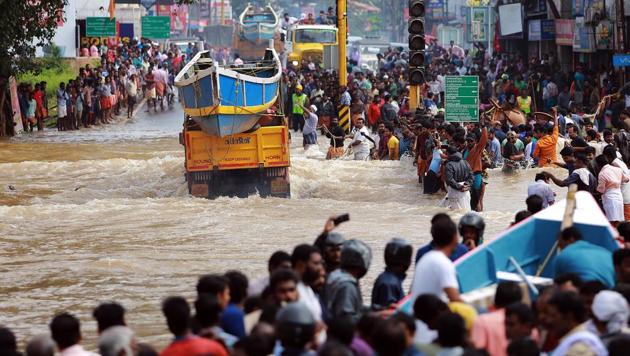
<point>313,109</point>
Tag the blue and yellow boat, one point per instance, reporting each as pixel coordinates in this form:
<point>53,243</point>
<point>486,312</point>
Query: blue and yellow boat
<point>227,100</point>
<point>258,25</point>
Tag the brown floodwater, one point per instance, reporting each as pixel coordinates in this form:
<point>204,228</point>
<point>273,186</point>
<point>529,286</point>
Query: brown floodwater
<point>103,214</point>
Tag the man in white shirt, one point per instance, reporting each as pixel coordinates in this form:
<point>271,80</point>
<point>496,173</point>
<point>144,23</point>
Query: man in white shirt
<point>435,272</point>
<point>360,143</point>
<point>542,188</point>
<point>309,132</point>
<point>611,155</point>
<point>307,263</point>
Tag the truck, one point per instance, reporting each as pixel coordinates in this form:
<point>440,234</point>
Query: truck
<point>306,42</point>
<point>255,161</point>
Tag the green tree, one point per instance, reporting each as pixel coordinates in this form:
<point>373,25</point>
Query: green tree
<point>24,26</point>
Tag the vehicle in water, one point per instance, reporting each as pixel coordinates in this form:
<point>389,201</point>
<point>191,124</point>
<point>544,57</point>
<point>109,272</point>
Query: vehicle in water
<point>306,42</point>
<point>257,25</point>
<point>235,143</point>
<point>526,252</point>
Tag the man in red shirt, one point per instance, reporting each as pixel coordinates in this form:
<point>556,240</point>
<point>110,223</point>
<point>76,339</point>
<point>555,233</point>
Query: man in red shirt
<point>177,313</point>
<point>374,112</point>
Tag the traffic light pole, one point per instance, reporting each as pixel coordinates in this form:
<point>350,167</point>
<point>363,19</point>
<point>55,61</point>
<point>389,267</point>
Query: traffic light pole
<point>342,32</point>
<point>342,27</point>
<point>416,53</point>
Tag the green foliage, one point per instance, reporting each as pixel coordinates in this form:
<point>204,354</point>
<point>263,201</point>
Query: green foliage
<point>25,25</point>
<point>53,72</point>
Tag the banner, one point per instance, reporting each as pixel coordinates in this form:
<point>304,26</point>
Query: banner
<point>478,24</point>
<point>564,32</point>
<point>534,30</point>
<point>604,35</point>
<point>547,30</point>
<point>125,32</point>
<point>179,18</point>
<point>583,37</point>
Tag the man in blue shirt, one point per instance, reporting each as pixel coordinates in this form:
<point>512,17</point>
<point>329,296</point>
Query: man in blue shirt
<point>586,260</point>
<point>388,287</point>
<point>494,148</point>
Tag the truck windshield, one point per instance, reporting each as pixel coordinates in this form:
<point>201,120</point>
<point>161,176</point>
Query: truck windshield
<point>315,36</point>
<point>262,18</point>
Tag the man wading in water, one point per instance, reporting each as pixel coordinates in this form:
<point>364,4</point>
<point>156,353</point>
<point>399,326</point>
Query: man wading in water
<point>336,134</point>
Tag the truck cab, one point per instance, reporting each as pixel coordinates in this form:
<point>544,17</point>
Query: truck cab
<point>306,42</point>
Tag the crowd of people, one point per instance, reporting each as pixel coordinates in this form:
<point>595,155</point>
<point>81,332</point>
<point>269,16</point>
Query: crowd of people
<point>127,73</point>
<point>580,116</point>
<point>311,302</point>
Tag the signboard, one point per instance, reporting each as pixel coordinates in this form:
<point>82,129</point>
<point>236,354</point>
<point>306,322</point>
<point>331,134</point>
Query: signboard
<point>156,27</point>
<point>534,30</point>
<point>547,30</point>
<point>511,19</point>
<point>604,34</point>
<point>125,32</point>
<point>100,27</point>
<point>479,24</point>
<point>564,32</point>
<point>461,95</point>
<point>435,4</point>
<point>621,60</point>
<point>541,30</point>
<point>583,37</point>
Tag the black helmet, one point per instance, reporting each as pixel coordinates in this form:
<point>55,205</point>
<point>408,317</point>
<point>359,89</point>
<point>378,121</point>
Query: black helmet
<point>329,239</point>
<point>398,253</point>
<point>355,253</point>
<point>295,325</point>
<point>334,239</point>
<point>475,220</point>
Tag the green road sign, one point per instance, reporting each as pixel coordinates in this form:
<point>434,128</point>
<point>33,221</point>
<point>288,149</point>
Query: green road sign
<point>100,27</point>
<point>156,27</point>
<point>461,98</point>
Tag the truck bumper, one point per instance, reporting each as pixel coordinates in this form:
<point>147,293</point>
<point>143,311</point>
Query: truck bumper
<point>266,182</point>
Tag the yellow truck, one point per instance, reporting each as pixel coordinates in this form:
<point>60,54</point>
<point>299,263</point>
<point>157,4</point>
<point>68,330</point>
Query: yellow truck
<point>238,165</point>
<point>306,42</point>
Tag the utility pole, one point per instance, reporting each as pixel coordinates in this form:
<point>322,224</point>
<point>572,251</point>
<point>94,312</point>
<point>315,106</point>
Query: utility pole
<point>342,29</point>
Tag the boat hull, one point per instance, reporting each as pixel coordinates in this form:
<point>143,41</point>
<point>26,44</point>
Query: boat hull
<point>225,125</point>
<point>529,242</point>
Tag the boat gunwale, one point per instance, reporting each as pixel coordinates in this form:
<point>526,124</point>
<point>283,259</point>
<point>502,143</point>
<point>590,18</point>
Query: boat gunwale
<point>271,10</point>
<point>227,72</point>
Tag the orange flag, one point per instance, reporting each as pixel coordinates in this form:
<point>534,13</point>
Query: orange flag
<point>112,9</point>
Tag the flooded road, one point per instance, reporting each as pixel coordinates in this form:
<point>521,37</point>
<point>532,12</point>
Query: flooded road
<point>104,214</point>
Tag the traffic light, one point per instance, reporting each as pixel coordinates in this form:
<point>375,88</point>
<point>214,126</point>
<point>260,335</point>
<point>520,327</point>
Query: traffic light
<point>416,42</point>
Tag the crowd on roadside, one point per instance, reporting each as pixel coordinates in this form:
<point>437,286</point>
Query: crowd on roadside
<point>310,302</point>
<point>127,72</point>
<point>531,114</point>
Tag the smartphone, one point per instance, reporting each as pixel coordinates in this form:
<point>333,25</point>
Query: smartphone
<point>341,218</point>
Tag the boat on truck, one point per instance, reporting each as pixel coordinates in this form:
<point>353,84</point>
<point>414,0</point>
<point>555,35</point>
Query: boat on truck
<point>258,25</point>
<point>235,142</point>
<point>227,100</point>
<point>526,252</point>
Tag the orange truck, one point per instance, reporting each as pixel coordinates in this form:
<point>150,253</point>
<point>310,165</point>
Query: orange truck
<point>238,165</point>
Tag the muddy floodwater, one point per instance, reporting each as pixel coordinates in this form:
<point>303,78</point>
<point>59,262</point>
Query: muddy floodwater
<point>104,214</point>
